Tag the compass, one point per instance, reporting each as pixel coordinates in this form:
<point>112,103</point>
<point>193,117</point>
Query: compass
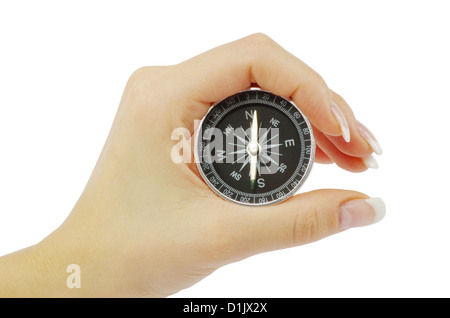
<point>254,148</point>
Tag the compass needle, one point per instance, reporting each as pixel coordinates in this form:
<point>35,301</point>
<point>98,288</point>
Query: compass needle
<point>252,149</point>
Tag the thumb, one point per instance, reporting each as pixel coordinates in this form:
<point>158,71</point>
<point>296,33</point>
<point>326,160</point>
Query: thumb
<point>303,219</point>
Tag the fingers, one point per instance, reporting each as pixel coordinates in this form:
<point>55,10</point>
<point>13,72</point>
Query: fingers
<point>258,60</point>
<point>361,144</point>
<point>233,67</point>
<point>349,163</point>
<point>350,155</point>
<point>303,219</point>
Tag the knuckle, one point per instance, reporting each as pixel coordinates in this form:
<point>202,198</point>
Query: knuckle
<point>321,84</point>
<point>145,86</point>
<point>140,106</point>
<point>145,76</point>
<point>338,99</point>
<point>136,79</point>
<point>139,73</point>
<point>306,228</point>
<point>259,40</point>
<point>260,37</point>
<point>316,98</point>
<point>148,78</point>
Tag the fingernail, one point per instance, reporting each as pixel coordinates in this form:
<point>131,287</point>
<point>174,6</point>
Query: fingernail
<point>370,162</point>
<point>340,117</point>
<point>361,212</point>
<point>369,137</point>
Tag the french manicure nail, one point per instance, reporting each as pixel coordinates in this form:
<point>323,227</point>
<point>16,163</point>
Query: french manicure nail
<point>340,117</point>
<point>361,212</point>
<point>369,137</point>
<point>370,162</point>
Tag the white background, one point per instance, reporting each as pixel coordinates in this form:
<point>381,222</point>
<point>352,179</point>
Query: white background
<point>63,67</point>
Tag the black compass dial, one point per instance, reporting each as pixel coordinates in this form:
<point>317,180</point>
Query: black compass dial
<point>254,148</point>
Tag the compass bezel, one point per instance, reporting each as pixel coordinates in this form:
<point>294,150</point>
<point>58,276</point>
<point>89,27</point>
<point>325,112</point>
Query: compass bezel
<point>272,102</point>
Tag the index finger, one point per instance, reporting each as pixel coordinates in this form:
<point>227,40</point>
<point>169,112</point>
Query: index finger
<point>257,59</point>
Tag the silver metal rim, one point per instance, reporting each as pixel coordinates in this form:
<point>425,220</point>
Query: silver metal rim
<point>283,198</point>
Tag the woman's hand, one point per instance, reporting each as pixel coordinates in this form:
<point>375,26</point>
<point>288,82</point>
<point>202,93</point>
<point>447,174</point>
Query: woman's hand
<point>146,226</point>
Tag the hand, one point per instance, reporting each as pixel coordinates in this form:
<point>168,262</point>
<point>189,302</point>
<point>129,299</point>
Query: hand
<point>146,226</point>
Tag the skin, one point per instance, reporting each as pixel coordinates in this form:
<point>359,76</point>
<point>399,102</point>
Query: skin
<point>143,226</point>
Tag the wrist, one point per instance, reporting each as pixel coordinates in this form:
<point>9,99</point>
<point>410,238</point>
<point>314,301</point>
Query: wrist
<point>58,266</point>
<point>32,272</point>
<point>78,262</point>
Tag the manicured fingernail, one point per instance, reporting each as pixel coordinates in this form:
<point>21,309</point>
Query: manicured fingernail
<point>369,137</point>
<point>361,212</point>
<point>370,162</point>
<point>340,117</point>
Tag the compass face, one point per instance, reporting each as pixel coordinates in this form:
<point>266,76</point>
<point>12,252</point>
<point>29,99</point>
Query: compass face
<point>254,148</point>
